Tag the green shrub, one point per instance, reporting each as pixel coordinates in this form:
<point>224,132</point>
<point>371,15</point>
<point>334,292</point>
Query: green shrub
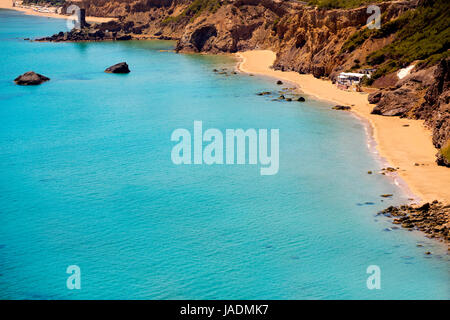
<point>445,151</point>
<point>195,9</point>
<point>45,2</point>
<point>335,4</point>
<point>422,34</point>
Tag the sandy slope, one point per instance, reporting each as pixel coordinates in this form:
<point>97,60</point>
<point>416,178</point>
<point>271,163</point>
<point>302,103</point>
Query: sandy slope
<point>401,146</point>
<point>8,4</point>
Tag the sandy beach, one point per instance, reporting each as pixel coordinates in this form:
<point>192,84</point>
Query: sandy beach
<point>400,146</point>
<point>8,4</point>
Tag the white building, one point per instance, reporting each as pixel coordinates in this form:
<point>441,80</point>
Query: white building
<point>351,78</point>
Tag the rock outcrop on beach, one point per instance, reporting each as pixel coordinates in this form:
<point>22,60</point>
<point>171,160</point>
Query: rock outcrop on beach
<point>423,95</point>
<point>121,67</point>
<point>431,218</point>
<point>112,30</point>
<point>30,78</point>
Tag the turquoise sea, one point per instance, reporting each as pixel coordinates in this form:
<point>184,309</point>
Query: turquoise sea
<point>86,179</point>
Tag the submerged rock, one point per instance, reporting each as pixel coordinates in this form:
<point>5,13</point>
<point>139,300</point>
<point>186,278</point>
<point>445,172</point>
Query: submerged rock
<point>301,99</point>
<point>30,78</point>
<point>121,67</point>
<point>432,218</point>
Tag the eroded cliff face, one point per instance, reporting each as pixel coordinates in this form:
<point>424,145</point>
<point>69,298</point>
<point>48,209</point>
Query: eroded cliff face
<point>306,39</point>
<point>117,8</point>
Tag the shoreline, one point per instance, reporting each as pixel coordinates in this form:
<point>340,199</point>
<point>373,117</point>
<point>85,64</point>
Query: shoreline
<point>7,4</point>
<point>398,142</point>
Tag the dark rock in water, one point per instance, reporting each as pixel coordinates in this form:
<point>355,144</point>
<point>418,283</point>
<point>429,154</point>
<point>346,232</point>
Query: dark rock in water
<point>289,99</point>
<point>368,203</point>
<point>301,99</point>
<point>344,108</point>
<point>112,30</point>
<point>281,97</point>
<point>121,67</point>
<point>30,79</point>
<point>279,82</point>
<point>264,93</point>
<point>386,195</point>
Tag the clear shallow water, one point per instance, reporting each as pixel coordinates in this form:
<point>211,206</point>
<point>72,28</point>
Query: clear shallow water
<point>86,178</point>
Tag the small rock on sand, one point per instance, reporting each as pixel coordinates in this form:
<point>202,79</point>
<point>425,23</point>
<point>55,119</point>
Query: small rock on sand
<point>343,108</point>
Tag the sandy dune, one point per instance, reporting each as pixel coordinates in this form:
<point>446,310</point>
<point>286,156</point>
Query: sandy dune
<point>401,146</point>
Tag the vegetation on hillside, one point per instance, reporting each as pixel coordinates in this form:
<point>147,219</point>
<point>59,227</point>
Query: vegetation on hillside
<point>55,3</point>
<point>421,35</point>
<point>445,151</point>
<point>335,4</point>
<point>195,9</point>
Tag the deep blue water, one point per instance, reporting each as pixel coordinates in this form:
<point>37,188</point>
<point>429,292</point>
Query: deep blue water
<point>86,179</point>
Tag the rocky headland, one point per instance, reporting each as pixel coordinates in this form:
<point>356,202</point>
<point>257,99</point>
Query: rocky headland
<point>430,218</point>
